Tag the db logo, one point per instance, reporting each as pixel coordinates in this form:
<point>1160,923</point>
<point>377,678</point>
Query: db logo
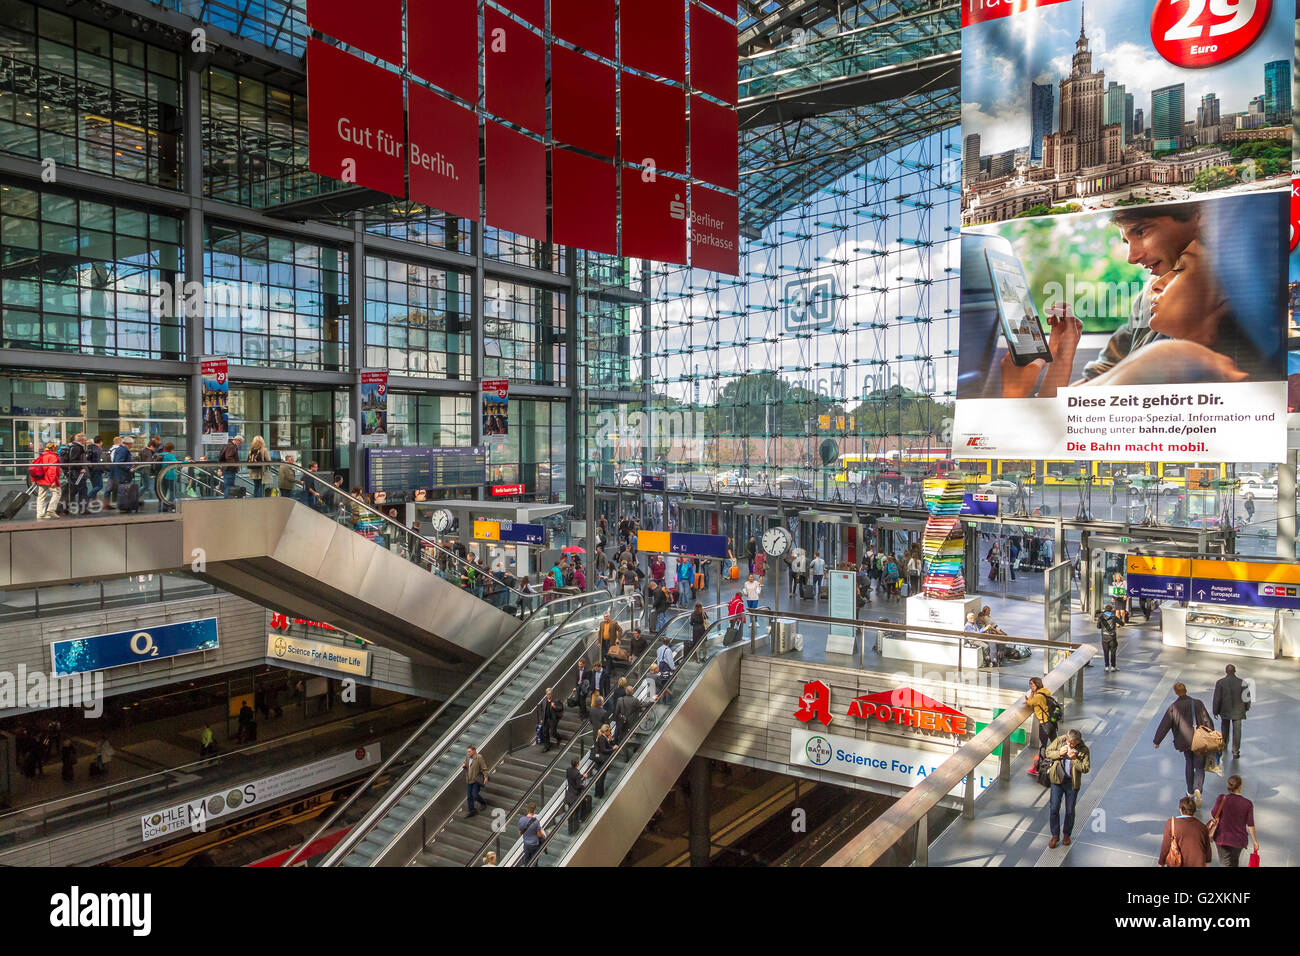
<point>1186,34</point>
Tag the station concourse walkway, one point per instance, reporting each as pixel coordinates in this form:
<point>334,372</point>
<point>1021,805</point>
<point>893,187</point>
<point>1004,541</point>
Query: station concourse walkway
<point>1132,789</point>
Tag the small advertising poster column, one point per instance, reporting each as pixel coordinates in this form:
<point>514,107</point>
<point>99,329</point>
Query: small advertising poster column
<point>215,400</point>
<point>374,406</point>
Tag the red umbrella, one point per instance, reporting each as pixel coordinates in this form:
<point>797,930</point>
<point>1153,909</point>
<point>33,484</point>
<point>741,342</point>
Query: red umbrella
<point>573,549</point>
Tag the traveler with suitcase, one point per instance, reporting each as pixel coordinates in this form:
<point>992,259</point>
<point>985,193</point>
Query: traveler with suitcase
<point>120,474</point>
<point>44,475</point>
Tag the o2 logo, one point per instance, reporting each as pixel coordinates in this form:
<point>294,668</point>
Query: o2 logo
<point>142,645</point>
<point>1201,33</point>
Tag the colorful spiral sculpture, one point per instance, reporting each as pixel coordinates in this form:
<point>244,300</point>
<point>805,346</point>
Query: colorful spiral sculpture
<point>943,545</point>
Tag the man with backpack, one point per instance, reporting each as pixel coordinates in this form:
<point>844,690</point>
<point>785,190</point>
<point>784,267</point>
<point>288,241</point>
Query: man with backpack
<point>45,476</point>
<point>76,476</point>
<point>229,459</point>
<point>1108,624</point>
<point>1047,711</point>
<point>122,476</point>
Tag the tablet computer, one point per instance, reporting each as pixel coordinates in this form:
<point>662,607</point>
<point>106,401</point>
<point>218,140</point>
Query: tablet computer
<point>1022,327</point>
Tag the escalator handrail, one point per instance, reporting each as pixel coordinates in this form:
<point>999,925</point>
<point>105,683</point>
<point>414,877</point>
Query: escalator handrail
<point>522,801</point>
<point>165,467</point>
<point>419,731</point>
<point>413,774</point>
<point>563,819</point>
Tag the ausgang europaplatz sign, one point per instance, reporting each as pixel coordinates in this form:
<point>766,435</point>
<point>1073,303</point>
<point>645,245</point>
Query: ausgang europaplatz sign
<point>1125,210</point>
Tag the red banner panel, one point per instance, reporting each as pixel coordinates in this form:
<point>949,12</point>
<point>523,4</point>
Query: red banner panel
<point>442,43</point>
<point>715,144</point>
<point>516,182</point>
<point>584,210</point>
<point>515,72</point>
<point>715,231</point>
<point>442,154</point>
<point>654,218</point>
<point>534,11</point>
<point>653,35</point>
<point>714,58</point>
<point>356,121</point>
<point>724,7</point>
<point>654,123</point>
<point>585,23</point>
<point>379,32</point>
<point>582,102</point>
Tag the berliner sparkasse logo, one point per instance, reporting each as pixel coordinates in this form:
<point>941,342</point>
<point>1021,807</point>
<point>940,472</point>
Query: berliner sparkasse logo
<point>818,750</point>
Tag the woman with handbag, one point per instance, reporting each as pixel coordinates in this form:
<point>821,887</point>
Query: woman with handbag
<point>1232,819</point>
<point>1186,841</point>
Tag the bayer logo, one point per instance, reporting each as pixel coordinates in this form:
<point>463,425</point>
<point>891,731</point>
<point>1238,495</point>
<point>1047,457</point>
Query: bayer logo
<point>818,750</point>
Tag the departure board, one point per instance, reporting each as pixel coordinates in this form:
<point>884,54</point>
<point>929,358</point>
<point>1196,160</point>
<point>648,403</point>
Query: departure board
<point>393,470</point>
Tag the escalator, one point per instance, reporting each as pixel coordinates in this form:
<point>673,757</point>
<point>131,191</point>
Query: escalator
<point>599,830</point>
<point>418,806</point>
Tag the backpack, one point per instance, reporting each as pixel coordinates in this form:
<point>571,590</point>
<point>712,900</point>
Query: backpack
<point>35,473</point>
<point>1055,710</point>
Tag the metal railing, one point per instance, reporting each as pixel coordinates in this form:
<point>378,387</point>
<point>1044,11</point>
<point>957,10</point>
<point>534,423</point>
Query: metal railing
<point>537,621</point>
<point>62,814</point>
<point>347,509</point>
<point>908,818</point>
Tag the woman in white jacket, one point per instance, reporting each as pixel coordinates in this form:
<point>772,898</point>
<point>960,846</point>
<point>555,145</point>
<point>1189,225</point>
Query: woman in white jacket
<point>753,589</point>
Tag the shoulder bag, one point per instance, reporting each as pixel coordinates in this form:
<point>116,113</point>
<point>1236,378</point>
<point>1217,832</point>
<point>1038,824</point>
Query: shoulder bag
<point>1175,855</point>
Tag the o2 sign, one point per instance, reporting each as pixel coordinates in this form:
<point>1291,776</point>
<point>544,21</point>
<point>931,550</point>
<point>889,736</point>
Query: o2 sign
<point>1201,33</point>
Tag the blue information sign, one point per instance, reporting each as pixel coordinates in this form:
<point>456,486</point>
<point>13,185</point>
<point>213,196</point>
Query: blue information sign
<point>1248,593</point>
<point>1162,587</point>
<point>704,545</point>
<point>518,533</point>
<point>979,504</point>
<point>653,483</point>
<point>84,654</point>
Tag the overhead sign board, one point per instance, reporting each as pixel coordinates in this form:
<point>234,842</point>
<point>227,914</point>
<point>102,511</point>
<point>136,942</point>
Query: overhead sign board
<point>653,483</point>
<point>980,504</point>
<point>287,651</point>
<point>137,646</point>
<point>1165,579</point>
<point>1247,583</point>
<point>194,815</point>
<point>888,763</point>
<point>510,532</point>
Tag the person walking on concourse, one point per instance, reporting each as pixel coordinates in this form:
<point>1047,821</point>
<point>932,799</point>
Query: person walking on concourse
<point>1183,717</point>
<point>1230,706</point>
<point>1070,761</point>
<point>1189,835</point>
<point>1231,820</point>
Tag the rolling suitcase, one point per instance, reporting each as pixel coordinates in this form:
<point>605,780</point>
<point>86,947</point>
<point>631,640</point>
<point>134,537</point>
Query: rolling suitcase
<point>16,501</point>
<point>805,592</point>
<point>128,497</point>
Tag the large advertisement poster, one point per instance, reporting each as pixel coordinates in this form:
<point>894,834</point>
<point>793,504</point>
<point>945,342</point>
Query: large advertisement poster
<point>374,406</point>
<point>496,410</point>
<point>216,401</point>
<point>1124,201</point>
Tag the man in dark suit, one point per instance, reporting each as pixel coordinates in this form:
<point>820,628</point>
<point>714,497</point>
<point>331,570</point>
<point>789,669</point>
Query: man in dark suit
<point>600,679</point>
<point>574,780</point>
<point>551,719</point>
<point>582,687</point>
<point>1183,717</point>
<point>1229,706</point>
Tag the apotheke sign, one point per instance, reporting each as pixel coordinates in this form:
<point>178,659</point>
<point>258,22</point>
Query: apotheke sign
<point>904,707</point>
